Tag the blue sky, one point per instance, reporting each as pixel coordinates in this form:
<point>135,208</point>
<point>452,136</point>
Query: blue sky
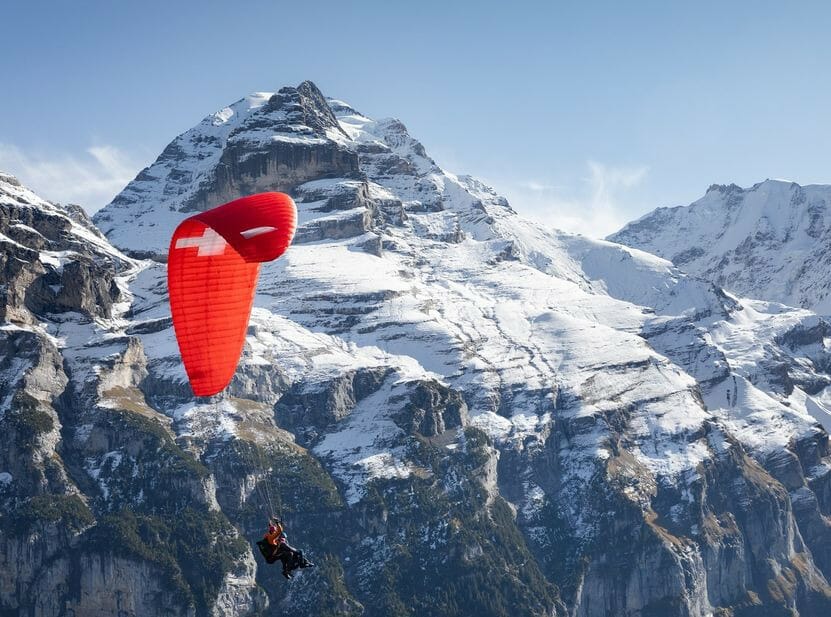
<point>585,114</point>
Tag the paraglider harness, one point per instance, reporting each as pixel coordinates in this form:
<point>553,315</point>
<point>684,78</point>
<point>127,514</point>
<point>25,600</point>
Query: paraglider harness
<point>292,558</point>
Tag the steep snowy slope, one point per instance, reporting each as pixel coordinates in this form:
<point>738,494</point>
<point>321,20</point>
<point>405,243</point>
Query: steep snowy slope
<point>768,242</point>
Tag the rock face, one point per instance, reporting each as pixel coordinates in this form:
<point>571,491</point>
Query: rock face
<point>457,412</point>
<point>53,259</point>
<point>97,501</point>
<point>768,242</point>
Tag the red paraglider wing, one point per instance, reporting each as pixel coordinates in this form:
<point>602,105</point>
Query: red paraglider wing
<point>259,227</point>
<point>212,272</point>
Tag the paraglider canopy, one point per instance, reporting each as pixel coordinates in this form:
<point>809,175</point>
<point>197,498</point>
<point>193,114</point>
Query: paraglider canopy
<point>212,270</point>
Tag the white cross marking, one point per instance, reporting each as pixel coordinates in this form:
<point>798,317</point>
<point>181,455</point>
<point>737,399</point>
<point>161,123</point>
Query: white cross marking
<point>209,243</point>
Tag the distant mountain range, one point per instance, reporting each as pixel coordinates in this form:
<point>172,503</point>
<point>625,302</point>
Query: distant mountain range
<point>771,241</point>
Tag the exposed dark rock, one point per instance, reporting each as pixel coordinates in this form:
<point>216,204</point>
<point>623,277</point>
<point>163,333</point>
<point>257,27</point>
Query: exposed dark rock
<point>306,407</point>
<point>432,409</point>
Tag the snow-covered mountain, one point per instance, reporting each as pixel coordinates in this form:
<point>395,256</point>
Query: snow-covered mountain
<point>463,413</point>
<point>770,241</point>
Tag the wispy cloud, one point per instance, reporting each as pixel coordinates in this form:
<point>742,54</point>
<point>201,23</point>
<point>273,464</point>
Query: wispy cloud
<point>90,180</point>
<point>539,187</point>
<point>595,205</point>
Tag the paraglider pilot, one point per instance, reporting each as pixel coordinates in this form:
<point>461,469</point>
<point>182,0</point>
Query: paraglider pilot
<point>274,546</point>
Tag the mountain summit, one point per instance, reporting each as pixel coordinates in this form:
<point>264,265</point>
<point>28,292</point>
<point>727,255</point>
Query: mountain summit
<point>463,413</point>
<point>264,142</point>
<point>769,241</point>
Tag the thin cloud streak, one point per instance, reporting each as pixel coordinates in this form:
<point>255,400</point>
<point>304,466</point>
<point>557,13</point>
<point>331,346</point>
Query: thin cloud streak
<point>596,207</point>
<point>90,180</point>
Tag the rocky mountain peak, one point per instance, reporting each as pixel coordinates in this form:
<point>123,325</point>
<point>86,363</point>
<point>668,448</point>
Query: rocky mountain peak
<point>305,105</point>
<point>767,241</point>
<point>724,189</point>
<point>8,180</point>
<point>347,173</point>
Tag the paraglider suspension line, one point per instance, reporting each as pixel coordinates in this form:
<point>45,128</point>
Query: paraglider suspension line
<point>268,497</point>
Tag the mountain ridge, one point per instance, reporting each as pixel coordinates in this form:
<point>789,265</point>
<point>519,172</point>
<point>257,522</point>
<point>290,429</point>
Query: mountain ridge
<point>769,241</point>
<point>571,426</point>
